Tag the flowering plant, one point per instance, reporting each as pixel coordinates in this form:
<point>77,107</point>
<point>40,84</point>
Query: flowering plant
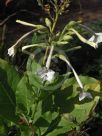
<point>43,102</point>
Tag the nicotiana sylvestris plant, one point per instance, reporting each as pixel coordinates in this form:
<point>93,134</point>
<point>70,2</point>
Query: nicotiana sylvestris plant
<point>41,102</point>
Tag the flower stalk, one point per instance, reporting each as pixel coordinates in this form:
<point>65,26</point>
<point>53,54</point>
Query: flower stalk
<point>48,62</point>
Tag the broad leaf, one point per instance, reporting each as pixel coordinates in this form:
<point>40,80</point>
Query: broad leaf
<point>84,109</point>
<point>24,96</point>
<point>72,111</point>
<point>8,75</point>
<point>36,111</point>
<point>8,83</point>
<point>7,103</point>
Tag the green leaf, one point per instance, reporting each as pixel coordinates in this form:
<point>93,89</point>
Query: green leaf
<point>24,96</point>
<point>7,103</point>
<point>63,126</point>
<point>8,83</point>
<point>46,122</point>
<point>38,38</point>
<point>72,111</point>
<point>26,131</point>
<point>8,75</point>
<point>36,111</point>
<point>83,109</point>
<point>32,65</point>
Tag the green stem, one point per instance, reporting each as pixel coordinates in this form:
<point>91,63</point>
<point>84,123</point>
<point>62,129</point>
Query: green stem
<point>49,57</point>
<point>45,55</point>
<point>52,46</point>
<point>55,21</point>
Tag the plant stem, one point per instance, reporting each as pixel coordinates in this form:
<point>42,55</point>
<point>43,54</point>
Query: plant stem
<point>49,57</point>
<point>52,46</point>
<point>45,55</point>
<point>55,21</point>
<point>29,124</point>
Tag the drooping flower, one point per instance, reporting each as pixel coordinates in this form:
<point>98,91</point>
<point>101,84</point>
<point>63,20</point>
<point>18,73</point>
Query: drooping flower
<point>46,74</point>
<point>84,95</point>
<point>97,38</point>
<point>11,51</point>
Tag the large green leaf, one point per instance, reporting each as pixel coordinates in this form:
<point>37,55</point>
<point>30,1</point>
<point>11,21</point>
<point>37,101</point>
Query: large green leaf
<point>61,111</point>
<point>8,75</point>
<point>73,112</point>
<point>36,111</point>
<point>47,122</point>
<point>24,96</point>
<point>63,126</point>
<point>8,82</point>
<point>7,103</point>
<point>84,109</point>
<point>27,100</point>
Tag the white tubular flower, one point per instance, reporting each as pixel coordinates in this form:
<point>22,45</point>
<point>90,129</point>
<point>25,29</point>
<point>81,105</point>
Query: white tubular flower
<point>50,75</point>
<point>46,74</point>
<point>84,95</point>
<point>11,51</point>
<point>96,39</point>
